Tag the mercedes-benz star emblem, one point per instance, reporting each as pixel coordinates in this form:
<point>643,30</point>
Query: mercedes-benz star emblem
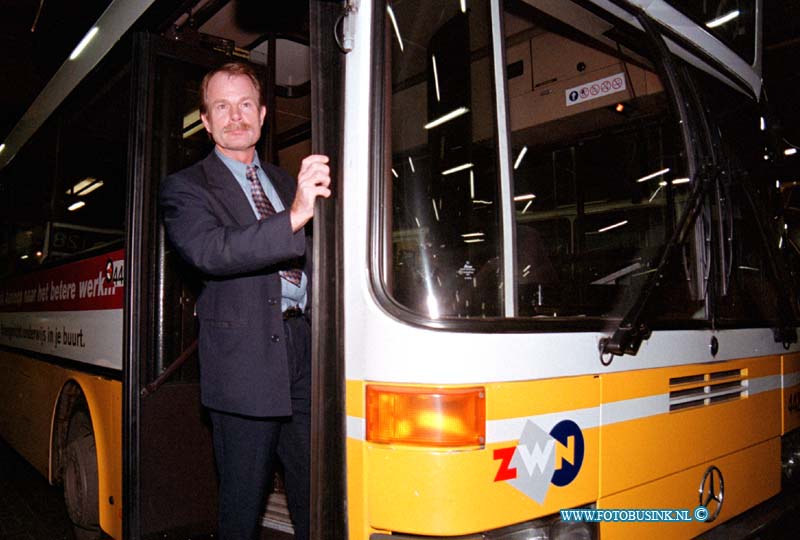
<point>712,492</point>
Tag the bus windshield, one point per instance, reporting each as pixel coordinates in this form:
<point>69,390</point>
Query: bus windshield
<point>598,165</point>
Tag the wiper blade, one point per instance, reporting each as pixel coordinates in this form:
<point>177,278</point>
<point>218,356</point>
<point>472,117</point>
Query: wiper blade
<point>786,331</point>
<point>631,331</point>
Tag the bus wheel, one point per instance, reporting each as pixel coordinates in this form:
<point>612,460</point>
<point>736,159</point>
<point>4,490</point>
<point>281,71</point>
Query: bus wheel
<point>80,478</point>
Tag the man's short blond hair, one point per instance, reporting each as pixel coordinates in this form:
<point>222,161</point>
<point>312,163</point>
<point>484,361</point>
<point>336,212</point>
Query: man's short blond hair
<point>231,68</point>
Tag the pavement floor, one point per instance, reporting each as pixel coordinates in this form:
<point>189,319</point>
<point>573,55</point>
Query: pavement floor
<point>32,509</point>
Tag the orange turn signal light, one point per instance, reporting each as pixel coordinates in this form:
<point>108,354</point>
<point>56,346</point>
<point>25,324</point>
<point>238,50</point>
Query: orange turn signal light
<point>426,416</point>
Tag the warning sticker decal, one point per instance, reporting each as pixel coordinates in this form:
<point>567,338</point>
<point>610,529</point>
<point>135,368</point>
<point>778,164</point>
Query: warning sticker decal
<point>595,89</point>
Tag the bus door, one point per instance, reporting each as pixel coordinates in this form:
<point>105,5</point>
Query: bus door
<point>169,473</point>
<point>168,460</point>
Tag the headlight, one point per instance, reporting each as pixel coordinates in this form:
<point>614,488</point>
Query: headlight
<point>532,530</point>
<point>551,528</point>
<point>573,531</point>
<point>548,528</point>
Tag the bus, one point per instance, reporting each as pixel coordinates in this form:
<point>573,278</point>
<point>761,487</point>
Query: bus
<point>555,291</point>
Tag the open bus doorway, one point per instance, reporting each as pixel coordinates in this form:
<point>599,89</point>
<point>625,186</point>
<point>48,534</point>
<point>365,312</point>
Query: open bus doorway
<point>171,488</point>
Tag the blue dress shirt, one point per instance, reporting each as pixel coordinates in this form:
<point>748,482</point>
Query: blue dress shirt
<point>291,295</point>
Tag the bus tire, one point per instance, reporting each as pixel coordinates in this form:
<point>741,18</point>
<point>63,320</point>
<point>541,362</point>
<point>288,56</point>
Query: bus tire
<point>80,478</point>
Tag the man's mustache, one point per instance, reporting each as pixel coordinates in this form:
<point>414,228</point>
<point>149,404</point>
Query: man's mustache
<point>239,126</point>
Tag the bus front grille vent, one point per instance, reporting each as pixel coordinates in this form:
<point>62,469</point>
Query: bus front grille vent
<point>707,388</point>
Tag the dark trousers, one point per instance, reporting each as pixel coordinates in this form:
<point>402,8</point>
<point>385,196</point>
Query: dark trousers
<point>245,449</point>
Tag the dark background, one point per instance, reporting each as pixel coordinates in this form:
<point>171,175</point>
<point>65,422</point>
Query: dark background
<point>782,68</point>
<point>29,58</point>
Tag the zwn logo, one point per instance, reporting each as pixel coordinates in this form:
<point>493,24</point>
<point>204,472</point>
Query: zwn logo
<point>542,458</point>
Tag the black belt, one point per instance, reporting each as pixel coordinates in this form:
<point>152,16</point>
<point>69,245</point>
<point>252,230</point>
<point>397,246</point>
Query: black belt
<point>292,312</point>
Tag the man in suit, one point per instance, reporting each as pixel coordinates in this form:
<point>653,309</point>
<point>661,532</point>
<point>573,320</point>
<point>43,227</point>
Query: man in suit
<point>241,223</point>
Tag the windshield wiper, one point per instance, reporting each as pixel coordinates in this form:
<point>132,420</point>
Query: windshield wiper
<point>786,331</point>
<point>632,330</point>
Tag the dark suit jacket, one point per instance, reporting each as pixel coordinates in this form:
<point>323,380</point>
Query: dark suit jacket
<point>243,363</point>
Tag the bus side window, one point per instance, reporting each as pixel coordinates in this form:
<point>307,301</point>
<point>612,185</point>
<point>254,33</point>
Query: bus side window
<point>790,196</point>
<point>444,225</point>
<point>24,183</point>
<point>752,294</point>
<point>790,246</point>
<point>89,199</point>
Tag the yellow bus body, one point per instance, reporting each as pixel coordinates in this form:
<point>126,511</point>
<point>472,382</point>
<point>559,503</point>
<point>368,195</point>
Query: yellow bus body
<point>659,456</point>
<point>28,418</point>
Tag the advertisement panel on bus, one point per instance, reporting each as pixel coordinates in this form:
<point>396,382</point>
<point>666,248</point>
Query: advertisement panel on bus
<point>73,311</point>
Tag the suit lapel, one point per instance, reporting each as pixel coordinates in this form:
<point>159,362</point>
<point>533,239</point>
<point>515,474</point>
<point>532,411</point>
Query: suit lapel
<point>227,190</point>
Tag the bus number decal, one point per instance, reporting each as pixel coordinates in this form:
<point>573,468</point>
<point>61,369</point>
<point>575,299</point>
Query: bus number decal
<point>115,272</point>
<point>541,459</point>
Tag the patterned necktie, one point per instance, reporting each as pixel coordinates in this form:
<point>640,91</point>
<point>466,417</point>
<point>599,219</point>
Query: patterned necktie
<point>265,209</point>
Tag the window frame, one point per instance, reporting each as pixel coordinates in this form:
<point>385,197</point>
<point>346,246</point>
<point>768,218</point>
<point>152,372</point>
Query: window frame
<point>752,55</point>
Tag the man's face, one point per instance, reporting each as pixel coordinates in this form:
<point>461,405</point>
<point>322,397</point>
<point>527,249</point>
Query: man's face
<point>233,116</point>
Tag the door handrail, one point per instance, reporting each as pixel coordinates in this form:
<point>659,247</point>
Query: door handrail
<point>167,373</point>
